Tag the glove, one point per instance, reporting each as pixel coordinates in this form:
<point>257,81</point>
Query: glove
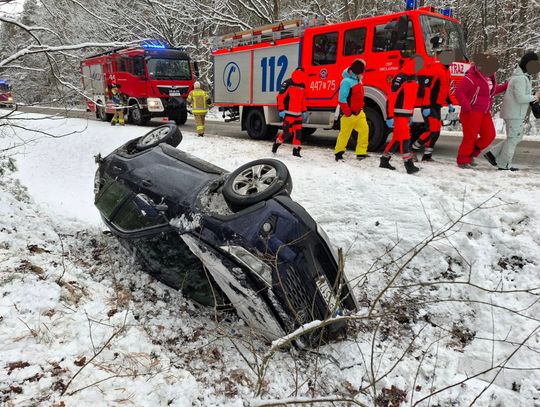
<point>451,108</point>
<point>390,123</point>
<point>281,114</point>
<point>426,112</point>
<point>304,116</point>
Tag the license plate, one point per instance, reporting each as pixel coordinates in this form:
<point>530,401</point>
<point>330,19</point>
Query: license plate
<point>174,93</point>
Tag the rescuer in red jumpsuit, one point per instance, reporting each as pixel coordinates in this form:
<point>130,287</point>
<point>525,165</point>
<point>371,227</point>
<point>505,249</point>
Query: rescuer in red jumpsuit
<point>436,95</point>
<point>291,102</point>
<point>401,102</point>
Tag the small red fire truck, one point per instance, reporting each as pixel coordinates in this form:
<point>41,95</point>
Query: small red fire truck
<point>250,66</point>
<point>155,79</point>
<point>6,97</point>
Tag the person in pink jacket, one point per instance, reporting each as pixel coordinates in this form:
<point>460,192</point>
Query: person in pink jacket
<point>475,95</point>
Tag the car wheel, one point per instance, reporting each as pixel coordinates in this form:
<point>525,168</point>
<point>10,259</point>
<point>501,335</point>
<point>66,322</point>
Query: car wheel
<point>307,132</point>
<point>181,117</point>
<point>256,181</point>
<point>136,116</point>
<point>256,126</point>
<point>168,133</point>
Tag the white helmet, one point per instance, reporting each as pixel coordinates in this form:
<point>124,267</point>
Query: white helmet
<point>197,85</point>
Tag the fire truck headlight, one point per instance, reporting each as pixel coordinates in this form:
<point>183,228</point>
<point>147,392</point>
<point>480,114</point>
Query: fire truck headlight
<point>155,105</point>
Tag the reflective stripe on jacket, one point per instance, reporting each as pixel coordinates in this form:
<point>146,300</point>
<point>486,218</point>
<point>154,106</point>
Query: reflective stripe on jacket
<point>199,101</point>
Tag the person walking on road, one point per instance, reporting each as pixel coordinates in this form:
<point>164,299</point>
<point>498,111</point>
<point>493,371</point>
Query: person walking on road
<point>291,102</point>
<point>118,99</point>
<point>514,109</point>
<point>200,102</point>
<point>351,104</point>
<point>437,95</point>
<point>475,94</point>
<point>401,102</point>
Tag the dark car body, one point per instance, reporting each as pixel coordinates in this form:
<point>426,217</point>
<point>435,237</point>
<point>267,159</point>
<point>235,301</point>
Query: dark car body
<point>270,260</point>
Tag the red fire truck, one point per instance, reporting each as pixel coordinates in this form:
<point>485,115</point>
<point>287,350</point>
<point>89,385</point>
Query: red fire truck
<point>6,97</point>
<point>249,66</point>
<point>155,79</point>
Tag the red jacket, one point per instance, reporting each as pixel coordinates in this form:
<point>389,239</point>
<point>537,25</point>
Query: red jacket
<point>402,99</point>
<point>437,86</point>
<point>351,94</point>
<point>473,92</point>
<point>291,97</point>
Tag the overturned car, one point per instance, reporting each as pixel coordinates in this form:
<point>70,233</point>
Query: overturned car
<point>222,238</point>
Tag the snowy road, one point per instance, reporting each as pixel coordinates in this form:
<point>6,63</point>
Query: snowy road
<point>528,152</point>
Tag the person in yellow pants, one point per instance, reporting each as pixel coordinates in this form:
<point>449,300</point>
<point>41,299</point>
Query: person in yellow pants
<point>351,103</point>
<point>199,101</point>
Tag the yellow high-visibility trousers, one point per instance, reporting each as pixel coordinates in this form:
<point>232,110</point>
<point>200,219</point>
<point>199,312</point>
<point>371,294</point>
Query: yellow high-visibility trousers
<point>199,123</point>
<point>347,125</point>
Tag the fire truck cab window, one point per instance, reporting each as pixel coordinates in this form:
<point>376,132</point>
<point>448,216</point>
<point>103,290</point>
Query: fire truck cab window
<point>355,41</point>
<point>325,49</point>
<point>440,33</point>
<point>385,38</point>
<point>138,65</point>
<point>165,68</point>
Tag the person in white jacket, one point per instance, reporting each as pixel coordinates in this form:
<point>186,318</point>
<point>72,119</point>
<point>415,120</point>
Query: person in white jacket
<point>514,109</point>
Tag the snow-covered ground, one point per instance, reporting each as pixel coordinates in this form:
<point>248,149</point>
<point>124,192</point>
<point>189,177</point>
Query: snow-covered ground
<point>81,325</point>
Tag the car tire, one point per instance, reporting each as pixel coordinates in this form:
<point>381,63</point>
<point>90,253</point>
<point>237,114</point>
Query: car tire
<point>181,117</point>
<point>307,132</point>
<point>255,182</point>
<point>167,133</point>
<point>256,126</point>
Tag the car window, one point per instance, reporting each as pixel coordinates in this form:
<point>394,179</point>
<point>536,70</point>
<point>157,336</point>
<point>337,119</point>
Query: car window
<point>130,218</point>
<point>171,260</point>
<point>355,41</point>
<point>385,38</point>
<point>113,194</point>
<point>325,48</point>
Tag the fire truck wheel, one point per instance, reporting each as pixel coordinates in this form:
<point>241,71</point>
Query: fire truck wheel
<point>256,126</point>
<point>136,116</point>
<point>167,133</point>
<point>377,128</point>
<point>102,114</point>
<point>307,133</point>
<point>181,117</point>
<point>256,181</point>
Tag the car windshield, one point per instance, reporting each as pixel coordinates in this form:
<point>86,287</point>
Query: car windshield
<point>440,33</point>
<point>166,68</point>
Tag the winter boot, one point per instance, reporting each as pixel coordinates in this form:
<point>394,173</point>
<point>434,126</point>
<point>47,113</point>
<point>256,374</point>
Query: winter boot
<point>410,167</point>
<point>362,156</point>
<point>339,156</point>
<point>427,157</point>
<point>275,146</point>
<point>296,152</point>
<point>385,163</point>
<point>491,158</point>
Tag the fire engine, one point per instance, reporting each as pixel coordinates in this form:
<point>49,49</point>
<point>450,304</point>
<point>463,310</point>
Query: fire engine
<point>155,79</point>
<point>6,97</point>
<point>250,66</point>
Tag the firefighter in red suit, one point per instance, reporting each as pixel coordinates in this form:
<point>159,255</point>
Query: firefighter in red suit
<point>436,95</point>
<point>291,102</point>
<point>401,102</point>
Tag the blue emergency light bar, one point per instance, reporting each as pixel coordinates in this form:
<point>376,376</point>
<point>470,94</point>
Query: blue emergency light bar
<point>411,4</point>
<point>448,12</point>
<point>153,45</point>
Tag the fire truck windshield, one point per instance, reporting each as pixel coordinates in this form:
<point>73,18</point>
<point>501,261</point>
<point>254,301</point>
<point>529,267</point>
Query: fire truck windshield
<point>167,68</point>
<point>440,33</point>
